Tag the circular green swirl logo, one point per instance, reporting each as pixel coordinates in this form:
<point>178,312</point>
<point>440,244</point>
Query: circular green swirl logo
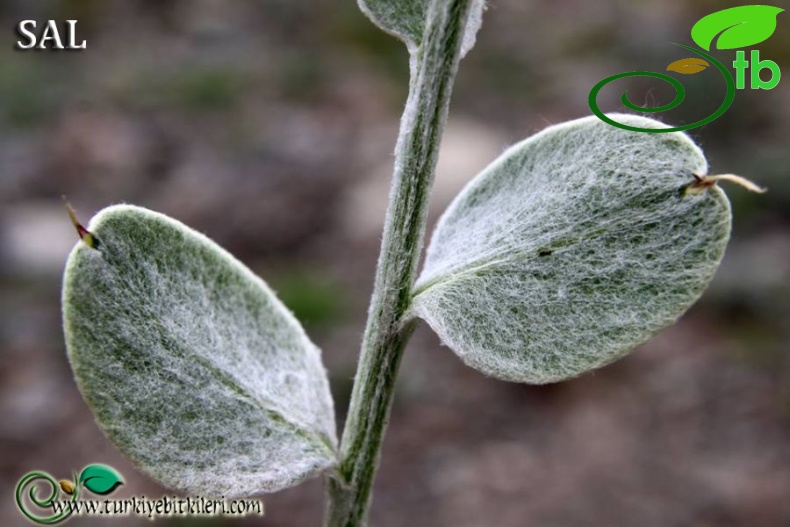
<point>736,27</point>
<point>99,479</point>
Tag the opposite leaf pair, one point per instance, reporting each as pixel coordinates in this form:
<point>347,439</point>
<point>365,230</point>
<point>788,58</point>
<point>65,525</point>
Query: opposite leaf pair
<point>572,248</point>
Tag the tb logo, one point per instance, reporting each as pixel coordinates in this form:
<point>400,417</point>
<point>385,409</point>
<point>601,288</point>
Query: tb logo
<point>756,66</point>
<point>733,28</point>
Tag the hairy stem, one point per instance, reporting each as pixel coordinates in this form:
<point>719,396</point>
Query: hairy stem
<point>433,68</point>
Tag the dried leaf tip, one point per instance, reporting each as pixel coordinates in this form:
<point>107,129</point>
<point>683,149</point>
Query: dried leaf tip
<point>703,182</point>
<point>85,235</point>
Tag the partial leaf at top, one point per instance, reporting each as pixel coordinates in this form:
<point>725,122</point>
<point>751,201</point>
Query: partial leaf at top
<point>191,365</point>
<point>739,27</point>
<point>406,19</point>
<point>572,248</point>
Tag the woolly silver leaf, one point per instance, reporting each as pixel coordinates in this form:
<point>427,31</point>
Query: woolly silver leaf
<point>572,248</point>
<point>191,365</point>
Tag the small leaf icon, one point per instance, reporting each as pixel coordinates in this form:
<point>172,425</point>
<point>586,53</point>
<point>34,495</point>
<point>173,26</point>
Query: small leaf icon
<point>739,27</point>
<point>67,486</point>
<point>100,479</point>
<point>688,66</point>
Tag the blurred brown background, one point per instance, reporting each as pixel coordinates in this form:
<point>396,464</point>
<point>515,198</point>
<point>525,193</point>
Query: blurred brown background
<point>269,126</point>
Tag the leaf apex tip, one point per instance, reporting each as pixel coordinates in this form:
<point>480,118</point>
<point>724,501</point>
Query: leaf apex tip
<point>703,182</point>
<point>85,235</point>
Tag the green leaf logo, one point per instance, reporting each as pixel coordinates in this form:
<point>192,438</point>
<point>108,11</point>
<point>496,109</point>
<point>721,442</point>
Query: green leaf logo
<point>100,479</point>
<point>739,27</point>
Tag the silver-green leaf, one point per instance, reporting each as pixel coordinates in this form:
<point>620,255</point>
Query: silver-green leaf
<point>191,365</point>
<point>406,19</point>
<point>572,248</point>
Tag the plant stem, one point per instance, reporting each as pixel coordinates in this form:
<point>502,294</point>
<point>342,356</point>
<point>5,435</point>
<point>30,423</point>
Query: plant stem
<point>433,67</point>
